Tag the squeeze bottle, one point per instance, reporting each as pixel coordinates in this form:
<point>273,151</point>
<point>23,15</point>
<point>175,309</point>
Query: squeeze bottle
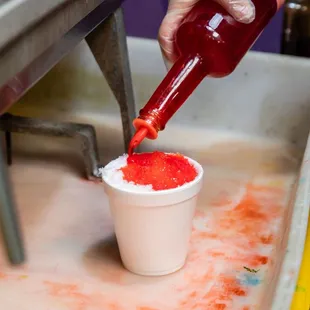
<point>209,42</point>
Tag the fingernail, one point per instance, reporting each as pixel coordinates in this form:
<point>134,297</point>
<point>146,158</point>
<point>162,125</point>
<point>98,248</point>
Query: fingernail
<point>244,12</point>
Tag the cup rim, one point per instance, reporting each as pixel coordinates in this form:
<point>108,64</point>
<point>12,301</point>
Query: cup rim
<point>164,191</point>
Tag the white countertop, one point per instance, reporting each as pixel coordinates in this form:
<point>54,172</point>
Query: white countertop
<point>277,92</point>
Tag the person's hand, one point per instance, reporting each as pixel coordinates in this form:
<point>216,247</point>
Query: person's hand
<point>242,10</point>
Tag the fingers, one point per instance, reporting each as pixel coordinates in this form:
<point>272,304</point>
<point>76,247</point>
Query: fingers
<point>168,63</point>
<point>176,12</point>
<point>242,10</point>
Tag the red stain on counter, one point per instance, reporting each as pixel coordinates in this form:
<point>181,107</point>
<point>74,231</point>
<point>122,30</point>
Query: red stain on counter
<point>70,293</point>
<point>73,297</point>
<point>228,235</point>
<point>259,260</point>
<point>220,295</point>
<point>200,214</point>
<point>59,289</point>
<point>252,216</point>
<point>161,170</point>
<point>267,239</point>
<point>3,276</point>
<point>235,238</point>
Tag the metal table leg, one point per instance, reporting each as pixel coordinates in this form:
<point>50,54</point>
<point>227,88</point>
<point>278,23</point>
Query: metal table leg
<point>84,133</point>
<point>108,44</point>
<point>109,47</point>
<point>8,217</point>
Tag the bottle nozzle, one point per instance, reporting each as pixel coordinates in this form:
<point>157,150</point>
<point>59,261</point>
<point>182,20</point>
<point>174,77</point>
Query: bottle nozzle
<point>137,139</point>
<point>143,130</point>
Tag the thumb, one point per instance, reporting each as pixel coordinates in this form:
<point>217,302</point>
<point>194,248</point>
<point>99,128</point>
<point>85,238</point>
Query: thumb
<point>177,10</point>
<point>242,11</point>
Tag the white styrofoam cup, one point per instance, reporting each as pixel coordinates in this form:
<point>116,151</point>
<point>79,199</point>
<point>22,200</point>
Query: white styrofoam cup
<point>153,228</point>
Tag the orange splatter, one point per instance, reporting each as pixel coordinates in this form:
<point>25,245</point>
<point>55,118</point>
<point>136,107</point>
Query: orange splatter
<point>251,216</point>
<point>238,234</point>
<point>241,232</point>
<point>77,300</point>
<point>200,214</point>
<point>206,235</point>
<point>267,239</point>
<point>59,289</point>
<point>258,260</point>
<point>3,276</point>
<point>218,297</point>
<point>217,254</point>
<point>249,209</point>
<point>229,287</point>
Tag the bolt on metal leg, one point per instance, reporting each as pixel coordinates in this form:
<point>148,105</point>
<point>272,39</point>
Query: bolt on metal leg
<point>109,47</point>
<point>8,218</point>
<point>84,133</point>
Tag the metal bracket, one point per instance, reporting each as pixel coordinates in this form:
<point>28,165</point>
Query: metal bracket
<point>109,47</point>
<point>84,133</point>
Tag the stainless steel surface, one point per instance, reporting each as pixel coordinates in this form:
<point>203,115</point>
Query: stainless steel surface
<point>296,28</point>
<point>26,60</point>
<point>18,15</point>
<point>35,36</point>
<point>84,133</point>
<point>113,61</point>
<point>280,109</point>
<point>8,217</point>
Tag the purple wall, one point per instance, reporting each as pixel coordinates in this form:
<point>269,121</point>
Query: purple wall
<point>270,39</point>
<point>143,18</point>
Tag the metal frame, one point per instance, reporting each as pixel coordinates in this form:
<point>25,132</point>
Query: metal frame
<point>26,62</point>
<point>84,133</point>
<point>27,59</point>
<point>113,61</point>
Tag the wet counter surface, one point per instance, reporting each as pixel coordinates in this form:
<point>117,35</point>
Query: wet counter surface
<point>73,262</point>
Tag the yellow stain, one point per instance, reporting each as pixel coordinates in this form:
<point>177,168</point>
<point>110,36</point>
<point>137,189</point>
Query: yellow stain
<point>23,277</point>
<point>276,183</point>
<point>301,299</point>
